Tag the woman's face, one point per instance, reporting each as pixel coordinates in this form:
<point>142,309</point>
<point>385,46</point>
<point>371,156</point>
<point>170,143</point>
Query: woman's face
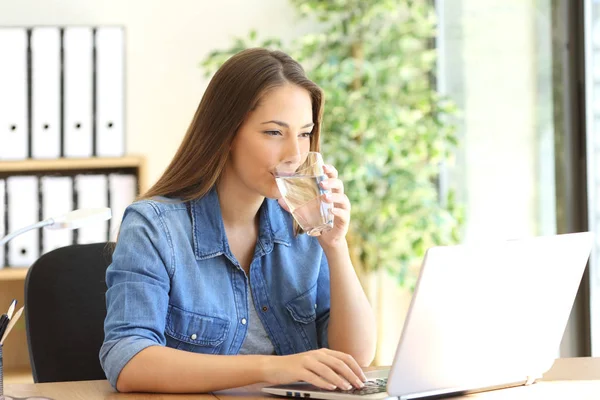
<point>280,127</point>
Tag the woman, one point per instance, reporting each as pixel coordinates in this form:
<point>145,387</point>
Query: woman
<point>210,287</point>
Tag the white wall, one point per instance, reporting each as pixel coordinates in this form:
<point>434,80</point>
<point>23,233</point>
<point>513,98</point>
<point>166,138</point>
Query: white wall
<point>166,41</point>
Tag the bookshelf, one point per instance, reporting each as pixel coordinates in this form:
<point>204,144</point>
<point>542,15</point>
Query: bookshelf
<point>18,376</point>
<point>12,274</point>
<point>17,367</point>
<point>75,164</point>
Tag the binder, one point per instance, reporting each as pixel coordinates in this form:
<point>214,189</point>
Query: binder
<point>2,219</point>
<point>23,211</point>
<point>92,192</point>
<point>77,100</point>
<point>110,132</point>
<point>122,192</point>
<point>57,199</point>
<point>14,129</point>
<point>45,90</point>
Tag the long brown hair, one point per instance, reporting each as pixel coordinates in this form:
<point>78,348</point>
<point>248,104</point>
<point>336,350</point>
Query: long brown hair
<point>233,92</point>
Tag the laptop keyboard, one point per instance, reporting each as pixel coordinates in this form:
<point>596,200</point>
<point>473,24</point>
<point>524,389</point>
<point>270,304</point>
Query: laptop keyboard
<point>371,387</point>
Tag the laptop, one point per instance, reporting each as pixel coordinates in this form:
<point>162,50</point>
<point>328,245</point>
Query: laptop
<point>482,317</point>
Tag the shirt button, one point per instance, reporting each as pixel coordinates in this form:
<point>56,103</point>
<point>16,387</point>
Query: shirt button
<point>243,321</point>
<point>315,306</point>
<point>194,336</point>
<point>265,308</point>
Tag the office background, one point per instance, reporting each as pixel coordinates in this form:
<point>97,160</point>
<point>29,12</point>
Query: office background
<point>504,62</point>
<point>165,43</point>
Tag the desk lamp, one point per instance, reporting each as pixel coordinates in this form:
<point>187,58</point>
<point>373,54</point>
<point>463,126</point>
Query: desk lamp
<point>71,220</point>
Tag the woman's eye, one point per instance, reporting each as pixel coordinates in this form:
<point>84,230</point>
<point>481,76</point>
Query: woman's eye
<point>272,133</point>
<point>306,134</point>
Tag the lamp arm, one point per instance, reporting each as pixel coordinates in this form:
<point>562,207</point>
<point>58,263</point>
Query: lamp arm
<point>16,233</point>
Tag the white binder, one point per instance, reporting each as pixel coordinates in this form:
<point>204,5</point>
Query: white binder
<point>23,211</point>
<point>57,199</point>
<point>92,192</point>
<point>123,190</point>
<point>45,89</point>
<point>110,69</point>
<point>14,136</point>
<point>78,77</point>
<point>2,208</point>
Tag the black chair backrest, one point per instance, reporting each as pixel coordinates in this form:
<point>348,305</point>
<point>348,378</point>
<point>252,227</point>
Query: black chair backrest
<point>65,309</point>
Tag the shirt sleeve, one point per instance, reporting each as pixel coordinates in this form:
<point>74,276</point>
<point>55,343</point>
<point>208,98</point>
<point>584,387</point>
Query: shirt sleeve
<point>138,282</point>
<point>323,303</point>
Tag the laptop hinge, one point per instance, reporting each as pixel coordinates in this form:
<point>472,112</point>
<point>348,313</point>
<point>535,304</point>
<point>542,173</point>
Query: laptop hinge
<point>531,380</point>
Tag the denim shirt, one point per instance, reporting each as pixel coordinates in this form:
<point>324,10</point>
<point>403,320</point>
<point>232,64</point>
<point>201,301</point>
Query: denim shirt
<point>174,282</point>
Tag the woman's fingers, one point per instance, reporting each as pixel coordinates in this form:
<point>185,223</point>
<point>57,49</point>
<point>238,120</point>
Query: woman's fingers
<point>340,200</point>
<point>344,215</point>
<point>336,185</point>
<point>321,368</point>
<point>330,171</point>
<point>324,368</point>
<point>350,362</point>
<point>341,368</point>
<point>314,379</point>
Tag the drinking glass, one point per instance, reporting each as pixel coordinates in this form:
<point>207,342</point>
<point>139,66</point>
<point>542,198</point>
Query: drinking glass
<point>298,179</point>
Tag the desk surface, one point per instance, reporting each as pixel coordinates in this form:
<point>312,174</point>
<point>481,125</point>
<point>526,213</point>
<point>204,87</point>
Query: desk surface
<point>569,378</point>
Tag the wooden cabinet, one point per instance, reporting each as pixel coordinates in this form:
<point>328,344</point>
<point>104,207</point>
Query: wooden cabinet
<point>16,356</point>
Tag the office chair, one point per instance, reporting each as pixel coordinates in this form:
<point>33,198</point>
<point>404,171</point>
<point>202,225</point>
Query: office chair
<point>65,310</point>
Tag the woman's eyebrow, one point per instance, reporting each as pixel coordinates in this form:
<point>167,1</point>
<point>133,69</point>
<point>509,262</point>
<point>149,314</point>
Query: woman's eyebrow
<point>285,125</point>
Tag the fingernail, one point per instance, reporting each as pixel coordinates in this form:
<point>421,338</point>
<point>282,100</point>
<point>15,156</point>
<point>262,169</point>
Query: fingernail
<point>323,184</point>
<point>360,384</point>
<point>332,387</point>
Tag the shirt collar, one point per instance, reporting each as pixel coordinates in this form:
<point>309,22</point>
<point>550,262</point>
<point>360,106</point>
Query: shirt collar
<point>208,230</point>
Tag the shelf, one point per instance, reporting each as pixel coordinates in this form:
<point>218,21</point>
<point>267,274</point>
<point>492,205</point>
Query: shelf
<point>13,273</point>
<point>65,164</point>
<point>18,376</point>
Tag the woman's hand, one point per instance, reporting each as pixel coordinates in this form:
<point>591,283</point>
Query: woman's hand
<point>340,211</point>
<point>324,368</point>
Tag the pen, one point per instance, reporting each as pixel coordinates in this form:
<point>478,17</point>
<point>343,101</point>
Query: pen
<point>11,309</point>
<point>12,323</point>
<point>3,323</point>
<point>5,318</point>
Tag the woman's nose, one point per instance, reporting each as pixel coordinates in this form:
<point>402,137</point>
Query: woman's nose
<point>292,149</point>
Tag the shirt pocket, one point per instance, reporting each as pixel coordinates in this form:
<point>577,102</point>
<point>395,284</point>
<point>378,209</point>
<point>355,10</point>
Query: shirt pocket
<point>195,332</point>
<point>303,312</point>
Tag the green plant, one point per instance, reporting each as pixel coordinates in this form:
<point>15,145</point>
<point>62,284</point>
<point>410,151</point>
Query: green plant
<point>385,128</point>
